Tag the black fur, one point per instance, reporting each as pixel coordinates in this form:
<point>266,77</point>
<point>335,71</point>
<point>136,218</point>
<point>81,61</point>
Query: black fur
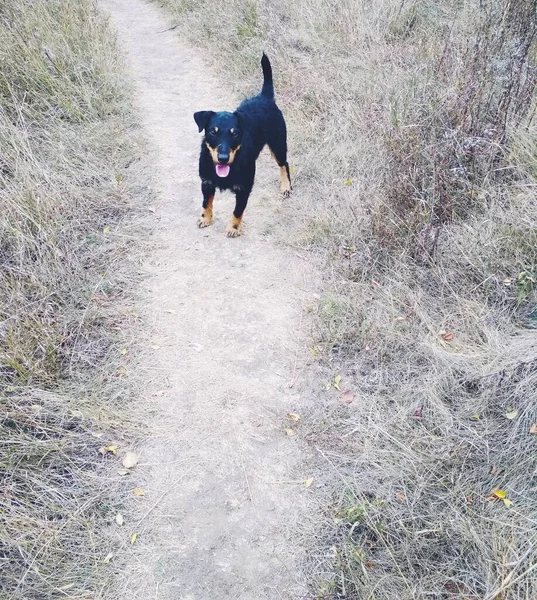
<point>237,139</point>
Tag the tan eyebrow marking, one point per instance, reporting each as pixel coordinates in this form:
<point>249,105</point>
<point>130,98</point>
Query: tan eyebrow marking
<point>216,129</point>
<point>231,130</point>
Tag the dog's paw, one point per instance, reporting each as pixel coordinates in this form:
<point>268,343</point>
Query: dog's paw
<point>285,193</point>
<point>234,229</point>
<point>205,220</point>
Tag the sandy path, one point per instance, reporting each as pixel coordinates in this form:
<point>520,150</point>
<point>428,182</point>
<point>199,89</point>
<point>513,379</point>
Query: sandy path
<point>227,321</point>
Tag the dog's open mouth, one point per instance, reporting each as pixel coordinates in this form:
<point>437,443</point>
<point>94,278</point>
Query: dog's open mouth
<point>222,170</point>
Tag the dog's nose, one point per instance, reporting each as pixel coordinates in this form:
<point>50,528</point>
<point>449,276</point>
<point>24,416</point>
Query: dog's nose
<point>223,158</point>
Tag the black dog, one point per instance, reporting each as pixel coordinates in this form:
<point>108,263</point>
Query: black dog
<point>231,145</point>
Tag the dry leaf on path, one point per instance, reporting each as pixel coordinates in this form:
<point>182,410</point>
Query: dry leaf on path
<point>130,460</point>
<point>400,497</point>
<point>337,381</point>
<point>134,536</point>
<point>511,414</point>
<point>448,336</point>
<point>347,397</point>
<point>119,519</point>
<point>533,428</point>
<point>138,492</point>
<point>108,558</point>
<point>294,416</point>
<point>289,431</point>
<point>308,482</point>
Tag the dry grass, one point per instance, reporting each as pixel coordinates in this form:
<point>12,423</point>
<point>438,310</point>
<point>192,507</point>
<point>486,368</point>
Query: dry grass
<point>413,146</point>
<point>68,259</point>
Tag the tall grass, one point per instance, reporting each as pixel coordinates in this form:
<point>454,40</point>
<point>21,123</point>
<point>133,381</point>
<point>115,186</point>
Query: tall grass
<point>413,142</point>
<point>67,255</point>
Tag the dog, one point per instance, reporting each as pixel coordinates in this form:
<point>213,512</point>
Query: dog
<point>231,145</point>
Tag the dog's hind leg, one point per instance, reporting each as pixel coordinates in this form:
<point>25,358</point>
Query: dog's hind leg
<point>278,147</point>
<point>234,228</point>
<point>207,189</point>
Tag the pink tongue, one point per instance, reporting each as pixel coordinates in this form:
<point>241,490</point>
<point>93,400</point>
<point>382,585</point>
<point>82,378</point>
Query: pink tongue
<point>222,170</point>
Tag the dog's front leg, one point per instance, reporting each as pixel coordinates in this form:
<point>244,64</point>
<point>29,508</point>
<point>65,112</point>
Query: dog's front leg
<point>207,189</point>
<point>234,228</point>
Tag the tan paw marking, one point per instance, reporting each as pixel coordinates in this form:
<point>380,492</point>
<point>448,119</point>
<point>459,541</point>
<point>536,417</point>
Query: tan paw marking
<point>234,229</point>
<point>205,220</point>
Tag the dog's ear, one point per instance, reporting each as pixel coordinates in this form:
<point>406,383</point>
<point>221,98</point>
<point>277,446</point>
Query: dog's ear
<point>202,118</point>
<point>240,119</point>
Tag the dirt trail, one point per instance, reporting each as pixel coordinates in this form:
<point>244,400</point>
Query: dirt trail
<point>227,322</point>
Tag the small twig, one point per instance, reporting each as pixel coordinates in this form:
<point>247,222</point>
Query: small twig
<point>245,473</point>
<point>169,28</point>
<point>292,382</point>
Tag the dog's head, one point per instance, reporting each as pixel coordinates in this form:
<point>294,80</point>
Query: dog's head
<point>223,137</point>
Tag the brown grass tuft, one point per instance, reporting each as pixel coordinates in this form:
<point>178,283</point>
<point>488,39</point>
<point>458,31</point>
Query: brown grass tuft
<point>68,258</point>
<point>413,146</point>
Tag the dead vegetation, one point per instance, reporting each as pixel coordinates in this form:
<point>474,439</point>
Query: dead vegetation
<point>67,250</point>
<point>413,144</point>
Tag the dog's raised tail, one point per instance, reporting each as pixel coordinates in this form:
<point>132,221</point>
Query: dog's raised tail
<point>268,85</point>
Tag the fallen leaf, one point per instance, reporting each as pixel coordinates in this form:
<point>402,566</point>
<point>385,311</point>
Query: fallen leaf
<point>507,281</point>
<point>497,493</point>
<point>124,351</point>
<point>108,558</point>
<point>337,380</point>
<point>119,519</point>
<point>369,565</point>
<point>418,413</point>
<point>133,537</point>
<point>448,336</point>
<point>106,229</point>
<point>400,497</point>
<point>314,351</point>
<point>112,449</point>
<point>122,371</point>
<point>347,397</point>
<point>138,492</point>
<point>129,460</point>
<point>533,428</point>
<point>507,502</point>
<point>123,472</point>
<point>289,431</point>
<point>294,416</point>
<point>308,482</point>
<point>511,414</point>
<point>348,182</point>
<point>493,469</point>
<point>399,318</point>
